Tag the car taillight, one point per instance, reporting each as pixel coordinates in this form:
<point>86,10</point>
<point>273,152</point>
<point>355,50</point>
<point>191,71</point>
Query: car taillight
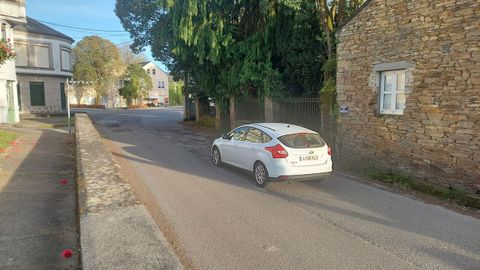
<point>329,151</point>
<point>277,151</point>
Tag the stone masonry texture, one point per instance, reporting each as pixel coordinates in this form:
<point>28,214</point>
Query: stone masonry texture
<point>438,136</point>
<point>116,230</point>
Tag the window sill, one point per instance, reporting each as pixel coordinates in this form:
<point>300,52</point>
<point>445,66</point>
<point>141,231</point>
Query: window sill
<point>391,112</point>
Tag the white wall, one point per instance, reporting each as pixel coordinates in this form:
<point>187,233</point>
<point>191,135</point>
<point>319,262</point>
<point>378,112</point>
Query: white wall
<point>7,70</point>
<point>159,75</point>
<point>8,76</point>
<point>12,10</point>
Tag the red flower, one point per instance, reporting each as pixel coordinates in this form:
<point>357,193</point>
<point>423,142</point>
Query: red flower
<point>67,253</point>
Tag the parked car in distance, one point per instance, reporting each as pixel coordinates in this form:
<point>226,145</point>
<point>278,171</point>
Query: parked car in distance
<point>274,151</point>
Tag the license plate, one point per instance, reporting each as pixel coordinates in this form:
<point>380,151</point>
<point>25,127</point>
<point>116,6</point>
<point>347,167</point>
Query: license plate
<point>308,158</point>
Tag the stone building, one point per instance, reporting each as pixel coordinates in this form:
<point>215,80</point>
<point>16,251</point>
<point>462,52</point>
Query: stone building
<point>409,73</point>
<point>43,64</point>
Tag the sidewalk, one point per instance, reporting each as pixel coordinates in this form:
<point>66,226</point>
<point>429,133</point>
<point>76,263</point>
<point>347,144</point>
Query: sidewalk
<point>38,219</point>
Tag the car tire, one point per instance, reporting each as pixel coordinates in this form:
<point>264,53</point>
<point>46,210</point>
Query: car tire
<point>216,157</point>
<point>260,174</point>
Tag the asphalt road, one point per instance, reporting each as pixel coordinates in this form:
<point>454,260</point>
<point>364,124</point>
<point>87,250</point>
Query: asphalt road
<point>218,219</point>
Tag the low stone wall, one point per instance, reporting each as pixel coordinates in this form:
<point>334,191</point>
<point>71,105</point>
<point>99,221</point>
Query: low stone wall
<point>43,109</point>
<point>116,230</point>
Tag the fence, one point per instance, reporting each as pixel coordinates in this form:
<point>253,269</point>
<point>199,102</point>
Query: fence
<point>304,112</point>
<point>248,111</point>
<point>313,113</point>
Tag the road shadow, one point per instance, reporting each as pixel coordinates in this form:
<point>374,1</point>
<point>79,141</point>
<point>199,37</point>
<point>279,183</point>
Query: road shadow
<point>38,218</point>
<point>366,198</point>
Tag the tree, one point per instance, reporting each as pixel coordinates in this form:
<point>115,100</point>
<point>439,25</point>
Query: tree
<point>224,48</point>
<point>129,57</point>
<point>175,93</point>
<point>98,61</point>
<point>136,83</point>
<point>333,13</point>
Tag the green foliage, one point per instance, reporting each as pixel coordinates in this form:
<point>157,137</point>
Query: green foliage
<point>136,83</point>
<point>298,48</point>
<point>329,87</point>
<point>224,48</point>
<point>207,121</point>
<point>457,196</point>
<point>6,51</point>
<point>97,60</point>
<point>175,93</point>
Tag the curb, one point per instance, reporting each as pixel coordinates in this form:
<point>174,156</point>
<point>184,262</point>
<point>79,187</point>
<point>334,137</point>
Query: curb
<point>116,230</point>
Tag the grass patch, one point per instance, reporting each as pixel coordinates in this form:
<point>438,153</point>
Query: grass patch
<point>457,196</point>
<point>6,138</point>
<point>207,121</point>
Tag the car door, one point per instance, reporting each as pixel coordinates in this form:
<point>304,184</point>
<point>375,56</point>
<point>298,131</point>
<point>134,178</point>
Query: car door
<point>230,145</point>
<point>248,149</point>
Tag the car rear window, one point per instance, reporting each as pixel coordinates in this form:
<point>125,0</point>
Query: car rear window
<point>302,140</point>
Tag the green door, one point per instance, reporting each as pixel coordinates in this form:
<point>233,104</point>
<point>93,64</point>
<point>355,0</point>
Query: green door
<point>62,96</point>
<point>37,94</point>
<point>19,97</point>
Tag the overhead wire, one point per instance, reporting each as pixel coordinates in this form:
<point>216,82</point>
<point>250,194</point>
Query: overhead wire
<point>83,28</point>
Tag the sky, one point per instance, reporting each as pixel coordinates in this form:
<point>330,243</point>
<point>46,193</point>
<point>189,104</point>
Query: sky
<point>92,14</point>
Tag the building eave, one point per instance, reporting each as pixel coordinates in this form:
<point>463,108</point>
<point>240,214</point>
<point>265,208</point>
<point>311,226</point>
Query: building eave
<point>354,15</point>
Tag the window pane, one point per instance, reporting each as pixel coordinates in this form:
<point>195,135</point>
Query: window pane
<point>42,56</point>
<point>401,82</point>
<point>302,140</point>
<point>387,101</point>
<point>66,60</point>
<point>266,138</point>
<point>21,50</point>
<point>388,86</point>
<point>254,135</point>
<point>239,134</point>
<point>400,105</point>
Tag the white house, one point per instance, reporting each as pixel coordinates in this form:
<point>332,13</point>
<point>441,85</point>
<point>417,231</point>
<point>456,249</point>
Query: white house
<point>43,64</point>
<point>159,82</point>
<point>11,12</point>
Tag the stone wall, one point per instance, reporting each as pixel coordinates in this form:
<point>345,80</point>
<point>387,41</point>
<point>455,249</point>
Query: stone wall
<point>438,44</point>
<point>116,230</point>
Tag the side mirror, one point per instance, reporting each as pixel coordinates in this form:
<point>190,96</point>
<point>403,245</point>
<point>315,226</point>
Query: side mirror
<point>225,136</point>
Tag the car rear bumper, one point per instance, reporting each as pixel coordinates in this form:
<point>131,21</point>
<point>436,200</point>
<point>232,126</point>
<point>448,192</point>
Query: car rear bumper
<point>302,177</point>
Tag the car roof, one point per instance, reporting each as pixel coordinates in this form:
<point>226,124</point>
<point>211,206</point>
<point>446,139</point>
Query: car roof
<point>280,129</point>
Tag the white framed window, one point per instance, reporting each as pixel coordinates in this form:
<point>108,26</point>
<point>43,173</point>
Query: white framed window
<point>148,71</point>
<point>161,84</point>
<point>21,49</point>
<point>153,71</point>
<point>41,53</point>
<point>65,59</point>
<point>392,92</point>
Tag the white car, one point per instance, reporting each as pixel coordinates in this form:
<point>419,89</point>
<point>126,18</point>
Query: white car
<point>274,151</point>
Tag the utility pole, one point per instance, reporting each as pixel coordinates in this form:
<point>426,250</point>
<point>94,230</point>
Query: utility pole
<point>67,97</point>
<point>186,107</point>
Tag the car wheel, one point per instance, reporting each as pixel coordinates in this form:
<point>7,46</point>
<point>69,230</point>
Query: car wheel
<point>261,174</point>
<point>216,157</point>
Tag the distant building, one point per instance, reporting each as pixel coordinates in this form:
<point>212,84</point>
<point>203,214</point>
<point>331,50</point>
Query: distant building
<point>159,82</point>
<point>11,13</point>
<point>43,64</point>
